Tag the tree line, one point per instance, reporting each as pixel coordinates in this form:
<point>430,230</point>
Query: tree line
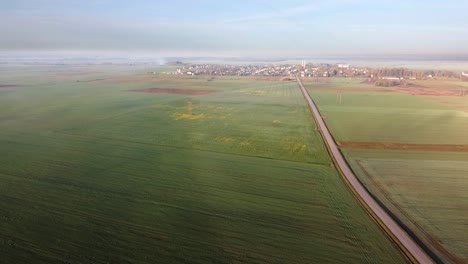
<point>410,73</point>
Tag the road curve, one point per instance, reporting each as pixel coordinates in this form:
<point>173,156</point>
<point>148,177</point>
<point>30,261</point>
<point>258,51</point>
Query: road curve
<point>407,245</point>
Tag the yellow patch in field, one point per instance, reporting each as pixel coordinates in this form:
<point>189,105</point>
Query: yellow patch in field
<point>276,121</point>
<point>298,148</point>
<point>216,107</point>
<point>254,92</point>
<point>258,92</point>
<point>245,143</point>
<point>181,116</point>
<point>294,146</point>
<point>225,139</point>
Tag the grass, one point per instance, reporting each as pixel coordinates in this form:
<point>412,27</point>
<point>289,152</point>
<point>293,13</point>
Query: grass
<point>365,116</point>
<point>465,84</point>
<point>93,174</point>
<point>333,82</point>
<point>425,189</point>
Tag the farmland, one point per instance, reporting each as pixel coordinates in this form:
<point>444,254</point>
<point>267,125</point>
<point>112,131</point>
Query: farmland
<point>410,151</point>
<point>93,172</point>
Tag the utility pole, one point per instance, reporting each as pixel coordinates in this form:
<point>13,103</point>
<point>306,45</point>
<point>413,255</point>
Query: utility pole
<point>189,108</point>
<point>338,97</point>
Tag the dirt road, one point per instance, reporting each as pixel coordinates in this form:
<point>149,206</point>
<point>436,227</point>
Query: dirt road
<point>406,243</point>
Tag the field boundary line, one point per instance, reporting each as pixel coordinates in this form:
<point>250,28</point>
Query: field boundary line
<point>410,246</point>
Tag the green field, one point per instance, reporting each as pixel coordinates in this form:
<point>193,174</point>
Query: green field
<point>92,173</point>
<point>366,116</point>
<point>428,189</point>
<point>425,189</point>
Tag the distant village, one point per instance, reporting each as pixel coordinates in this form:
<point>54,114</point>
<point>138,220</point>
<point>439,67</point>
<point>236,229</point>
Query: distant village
<point>317,70</point>
<point>304,70</point>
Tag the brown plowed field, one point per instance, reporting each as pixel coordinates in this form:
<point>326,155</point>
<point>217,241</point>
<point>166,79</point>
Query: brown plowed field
<point>9,85</point>
<point>400,146</point>
<point>174,91</point>
<point>428,91</point>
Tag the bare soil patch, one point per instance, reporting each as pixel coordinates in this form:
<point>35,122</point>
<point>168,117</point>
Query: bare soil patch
<point>400,146</point>
<point>9,85</point>
<point>411,85</point>
<point>174,91</point>
<point>433,88</point>
<point>368,81</point>
<point>134,79</point>
<point>427,91</point>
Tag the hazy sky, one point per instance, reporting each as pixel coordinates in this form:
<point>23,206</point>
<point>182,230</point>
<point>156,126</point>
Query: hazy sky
<point>253,27</point>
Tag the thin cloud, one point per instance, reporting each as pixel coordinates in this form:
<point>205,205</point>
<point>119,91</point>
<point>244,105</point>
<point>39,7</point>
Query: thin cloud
<point>414,28</point>
<point>283,12</point>
<point>273,14</point>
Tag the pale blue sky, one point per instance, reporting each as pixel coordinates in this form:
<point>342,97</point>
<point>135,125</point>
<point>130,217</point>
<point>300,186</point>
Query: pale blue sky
<point>236,28</point>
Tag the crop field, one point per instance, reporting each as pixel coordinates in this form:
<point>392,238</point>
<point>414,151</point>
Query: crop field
<point>378,115</point>
<point>91,172</point>
<point>411,151</point>
<point>427,189</point>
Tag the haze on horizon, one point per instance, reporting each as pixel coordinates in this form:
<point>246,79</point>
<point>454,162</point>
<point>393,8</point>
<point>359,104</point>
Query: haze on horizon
<point>240,28</point>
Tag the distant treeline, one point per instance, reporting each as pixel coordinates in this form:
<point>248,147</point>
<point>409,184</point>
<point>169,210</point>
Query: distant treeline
<point>386,83</point>
<point>409,73</point>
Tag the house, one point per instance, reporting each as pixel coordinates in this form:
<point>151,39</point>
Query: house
<point>391,78</point>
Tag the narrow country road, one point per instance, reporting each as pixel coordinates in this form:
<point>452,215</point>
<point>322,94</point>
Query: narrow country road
<point>392,228</point>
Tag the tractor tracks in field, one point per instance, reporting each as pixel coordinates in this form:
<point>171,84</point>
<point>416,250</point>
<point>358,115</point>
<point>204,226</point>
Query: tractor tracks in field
<point>436,244</point>
<point>159,235</point>
<point>411,246</point>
